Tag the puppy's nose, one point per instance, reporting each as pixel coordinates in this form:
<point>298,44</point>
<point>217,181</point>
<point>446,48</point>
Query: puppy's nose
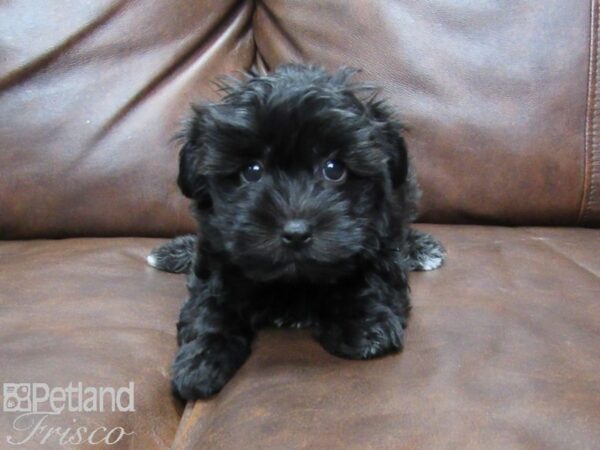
<point>296,233</point>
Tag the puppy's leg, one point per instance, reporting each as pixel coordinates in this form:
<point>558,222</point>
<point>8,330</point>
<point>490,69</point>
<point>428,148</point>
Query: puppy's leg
<point>214,344</point>
<point>367,321</point>
<point>177,255</point>
<point>424,252</point>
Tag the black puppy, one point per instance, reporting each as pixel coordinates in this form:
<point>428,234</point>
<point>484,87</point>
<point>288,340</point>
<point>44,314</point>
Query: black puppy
<point>302,190</point>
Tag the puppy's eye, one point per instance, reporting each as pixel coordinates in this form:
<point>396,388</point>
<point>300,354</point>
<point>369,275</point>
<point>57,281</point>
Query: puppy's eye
<point>334,171</point>
<point>253,172</point>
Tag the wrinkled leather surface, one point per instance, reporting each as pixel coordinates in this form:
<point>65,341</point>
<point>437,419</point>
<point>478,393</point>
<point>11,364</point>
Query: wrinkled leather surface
<point>90,311</point>
<point>501,353</point>
<point>499,99</point>
<point>91,94</point>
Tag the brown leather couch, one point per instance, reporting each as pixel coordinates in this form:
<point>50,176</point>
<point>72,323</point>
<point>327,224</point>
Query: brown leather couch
<point>503,106</point>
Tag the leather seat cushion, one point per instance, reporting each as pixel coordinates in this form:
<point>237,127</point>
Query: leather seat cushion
<point>91,311</point>
<point>502,352</point>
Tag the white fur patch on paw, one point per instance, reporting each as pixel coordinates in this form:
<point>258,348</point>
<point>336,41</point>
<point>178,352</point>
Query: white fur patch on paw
<point>151,260</point>
<point>431,262</point>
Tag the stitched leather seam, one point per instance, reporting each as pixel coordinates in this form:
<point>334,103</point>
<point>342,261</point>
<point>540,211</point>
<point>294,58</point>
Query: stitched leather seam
<point>590,204</point>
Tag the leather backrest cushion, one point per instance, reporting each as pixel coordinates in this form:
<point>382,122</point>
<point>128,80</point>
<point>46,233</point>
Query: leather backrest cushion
<point>494,93</point>
<point>496,97</point>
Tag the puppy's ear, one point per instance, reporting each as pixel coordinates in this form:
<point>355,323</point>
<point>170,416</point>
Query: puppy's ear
<point>397,154</point>
<point>192,183</point>
<point>389,135</point>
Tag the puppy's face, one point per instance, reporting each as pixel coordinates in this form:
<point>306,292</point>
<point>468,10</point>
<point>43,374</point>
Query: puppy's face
<point>292,174</point>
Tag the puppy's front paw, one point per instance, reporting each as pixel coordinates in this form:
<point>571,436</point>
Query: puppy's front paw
<point>425,252</point>
<point>203,366</point>
<point>363,340</point>
<point>176,255</point>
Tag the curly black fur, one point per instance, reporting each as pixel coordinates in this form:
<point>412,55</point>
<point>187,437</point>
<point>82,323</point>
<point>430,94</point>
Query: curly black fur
<point>422,251</point>
<point>348,278</point>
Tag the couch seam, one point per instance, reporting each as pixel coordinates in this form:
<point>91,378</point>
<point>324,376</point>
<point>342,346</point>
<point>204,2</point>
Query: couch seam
<point>201,45</point>
<point>184,425</point>
<point>298,53</point>
<point>590,200</point>
<point>258,61</point>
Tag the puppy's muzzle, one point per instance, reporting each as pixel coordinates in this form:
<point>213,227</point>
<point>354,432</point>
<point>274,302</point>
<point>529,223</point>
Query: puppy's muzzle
<point>296,233</point>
